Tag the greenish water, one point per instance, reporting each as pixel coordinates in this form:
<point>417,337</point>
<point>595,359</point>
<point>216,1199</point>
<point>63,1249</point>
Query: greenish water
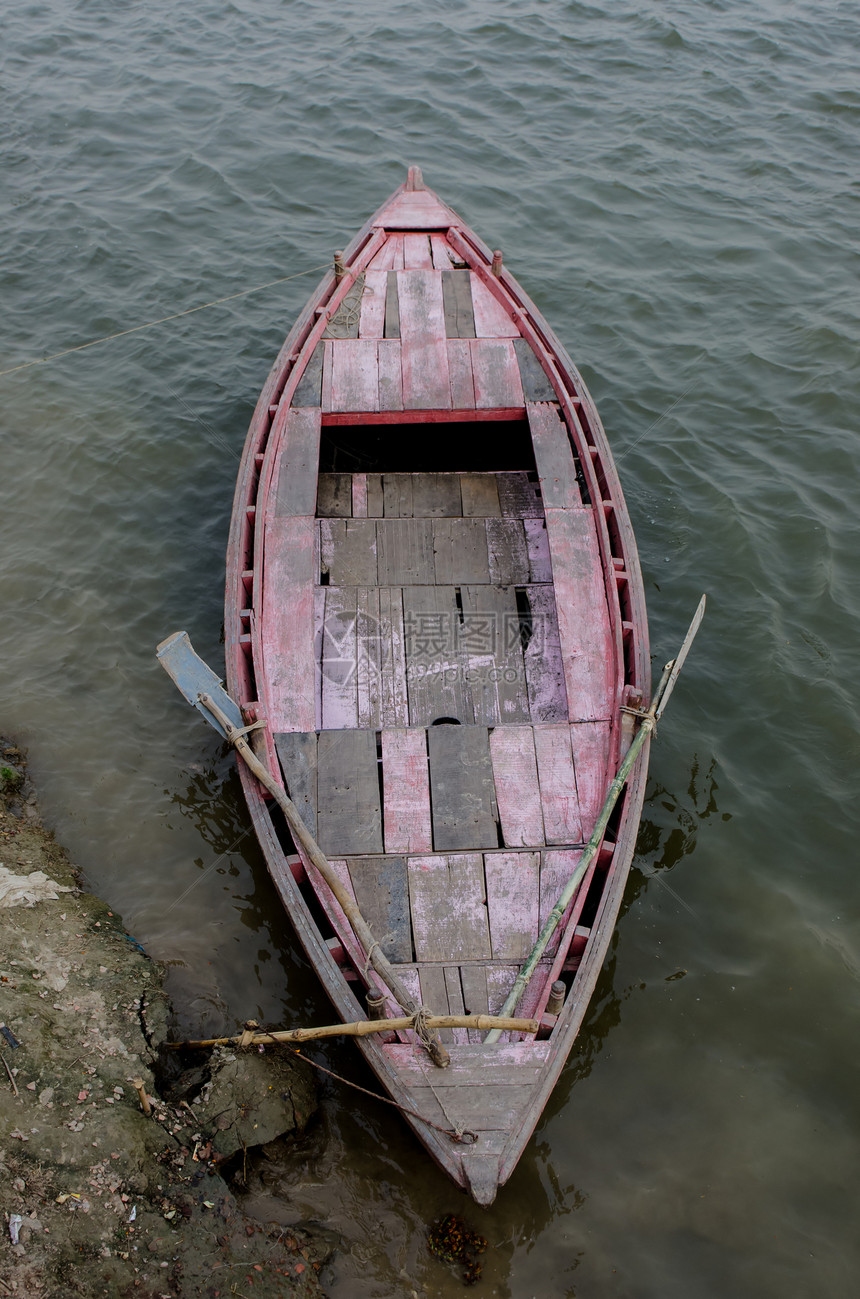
<point>675,185</point>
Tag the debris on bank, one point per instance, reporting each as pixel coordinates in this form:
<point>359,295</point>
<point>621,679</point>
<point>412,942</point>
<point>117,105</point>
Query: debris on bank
<point>97,1197</point>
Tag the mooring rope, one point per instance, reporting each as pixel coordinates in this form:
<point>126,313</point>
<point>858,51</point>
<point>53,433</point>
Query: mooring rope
<point>177,315</point>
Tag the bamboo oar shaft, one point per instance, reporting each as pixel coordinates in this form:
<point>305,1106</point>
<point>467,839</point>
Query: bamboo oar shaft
<point>363,1028</point>
<point>302,834</point>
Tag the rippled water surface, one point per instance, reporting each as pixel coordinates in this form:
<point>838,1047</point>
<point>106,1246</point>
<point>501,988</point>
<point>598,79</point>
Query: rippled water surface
<point>675,184</point>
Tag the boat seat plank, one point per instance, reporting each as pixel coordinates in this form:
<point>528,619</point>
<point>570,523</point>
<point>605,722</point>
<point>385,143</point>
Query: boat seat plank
<point>349,818</point>
<point>397,495</point>
<point>558,790</point>
<point>519,496</point>
<point>417,254</point>
<point>374,496</point>
<point>460,374</point>
<point>308,390</point>
<point>405,552</point>
<point>507,1063</point>
<point>372,320</point>
<point>334,496</point>
<point>585,634</point>
<point>382,893</point>
<point>298,458</point>
<point>447,898</point>
<point>496,373</point>
<point>348,551</point>
<point>537,546</point>
<point>338,651</point>
<point>390,375</point>
<point>590,747</point>
<point>544,668</point>
<point>435,663</point>
<point>536,383</point>
<point>508,552</point>
<point>424,354</point>
<point>553,456</point>
<point>406,791</point>
<point>478,1106</point>
<point>418,210</point>
<point>491,640</point>
<point>297,753</point>
<point>491,318</point>
<point>354,375</point>
<point>518,794</point>
<point>436,496</point>
<point>460,551</point>
<point>480,496</point>
<point>512,903</point>
<point>461,789</point>
<point>457,301</point>
<point>287,623</point>
<point>359,496</point>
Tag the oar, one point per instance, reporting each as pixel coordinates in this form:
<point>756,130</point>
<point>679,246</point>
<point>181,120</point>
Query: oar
<point>649,721</point>
<point>202,688</point>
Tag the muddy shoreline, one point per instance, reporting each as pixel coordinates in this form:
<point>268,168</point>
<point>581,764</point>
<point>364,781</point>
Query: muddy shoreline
<point>97,1197</point>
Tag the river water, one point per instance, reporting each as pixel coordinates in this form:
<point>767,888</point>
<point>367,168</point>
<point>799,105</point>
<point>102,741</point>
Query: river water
<point>675,185</point>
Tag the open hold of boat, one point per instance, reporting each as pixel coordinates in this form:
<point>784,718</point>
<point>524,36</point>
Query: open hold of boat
<point>435,609</point>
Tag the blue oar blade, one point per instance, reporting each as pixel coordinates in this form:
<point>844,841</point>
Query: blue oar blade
<point>193,678</point>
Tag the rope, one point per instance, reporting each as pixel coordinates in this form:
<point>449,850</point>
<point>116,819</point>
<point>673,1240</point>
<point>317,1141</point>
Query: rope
<point>461,1135</point>
<point>177,315</point>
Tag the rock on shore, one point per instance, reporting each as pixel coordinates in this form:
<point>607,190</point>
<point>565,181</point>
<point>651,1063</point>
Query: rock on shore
<point>96,1197</point>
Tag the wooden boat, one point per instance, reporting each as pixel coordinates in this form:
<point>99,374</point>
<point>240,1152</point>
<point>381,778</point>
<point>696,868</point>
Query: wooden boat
<point>434,604</point>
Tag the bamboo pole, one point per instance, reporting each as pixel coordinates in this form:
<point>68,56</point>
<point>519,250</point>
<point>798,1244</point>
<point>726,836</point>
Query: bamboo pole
<point>363,1028</point>
<point>302,834</point>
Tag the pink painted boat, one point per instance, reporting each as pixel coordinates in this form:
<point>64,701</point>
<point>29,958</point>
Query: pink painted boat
<point>434,602</point>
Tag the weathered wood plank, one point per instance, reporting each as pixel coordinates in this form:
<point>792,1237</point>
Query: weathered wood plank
<point>355,375</point>
<point>585,634</point>
<point>333,910</point>
<point>359,496</point>
<point>424,355</point>
<point>418,210</point>
<point>405,551</point>
<point>374,496</point>
<point>456,1006</point>
<point>391,311</point>
<point>349,818</point>
<point>476,1000</point>
<point>308,390</point>
<point>557,866</point>
<point>287,623</point>
<point>537,546</point>
<point>390,377</point>
<point>558,791</point>
<point>536,384</point>
<point>518,794</point>
<point>499,1065</point>
<point>460,374</point>
<point>460,551</point>
<point>443,254</point>
<point>480,496</point>
<point>416,253</point>
<point>457,303</point>
<point>491,318</point>
<point>553,456</point>
<point>435,664</point>
<point>513,880</point>
<point>406,791</point>
<point>298,459</point>
<point>325,395</point>
<point>382,893</point>
<point>448,903</point>
<point>542,657</point>
<point>397,495</point>
<point>319,633</point>
<point>436,496</point>
<point>334,496</point>
<point>495,1112</point>
<point>496,374</point>
<point>519,496</point>
<point>297,752</point>
<point>434,992</point>
<point>461,789</point>
<point>368,658</point>
<point>508,552</point>
<point>393,697</point>
<point>389,257</point>
<point>590,747</point>
<point>339,682</point>
<point>490,637</point>
<point>348,551</point>
<point>372,320</point>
